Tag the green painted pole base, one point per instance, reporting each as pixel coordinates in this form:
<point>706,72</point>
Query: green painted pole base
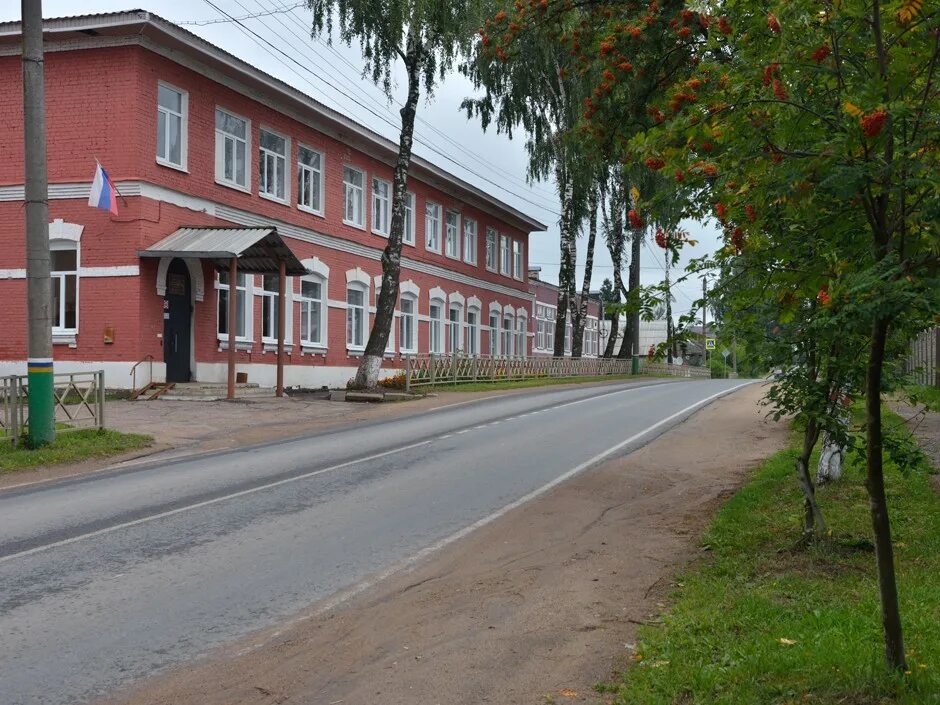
<point>636,365</point>
<point>41,403</point>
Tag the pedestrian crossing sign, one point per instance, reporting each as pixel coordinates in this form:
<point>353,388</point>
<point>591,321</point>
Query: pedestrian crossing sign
<point>710,343</point>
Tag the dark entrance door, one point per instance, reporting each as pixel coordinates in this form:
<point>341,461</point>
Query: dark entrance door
<point>177,323</point>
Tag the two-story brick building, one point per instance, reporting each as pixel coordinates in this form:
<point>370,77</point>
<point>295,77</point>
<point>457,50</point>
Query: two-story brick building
<point>194,137</point>
<point>544,311</point>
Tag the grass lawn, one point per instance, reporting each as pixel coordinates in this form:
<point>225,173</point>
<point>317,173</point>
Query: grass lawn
<point>534,382</point>
<point>761,621</point>
<point>70,448</point>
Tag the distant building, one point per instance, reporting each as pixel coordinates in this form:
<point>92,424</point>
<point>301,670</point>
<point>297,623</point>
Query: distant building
<point>543,318</point>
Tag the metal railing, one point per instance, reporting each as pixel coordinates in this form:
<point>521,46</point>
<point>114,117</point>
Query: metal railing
<point>79,403</point>
<point>427,370</point>
<point>148,358</point>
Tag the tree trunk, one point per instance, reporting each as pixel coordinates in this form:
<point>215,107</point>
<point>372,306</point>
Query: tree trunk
<point>367,375</point>
<point>670,342</point>
<point>813,522</point>
<point>579,312</point>
<point>615,246</point>
<point>568,251</point>
<point>631,334</point>
<point>875,484</point>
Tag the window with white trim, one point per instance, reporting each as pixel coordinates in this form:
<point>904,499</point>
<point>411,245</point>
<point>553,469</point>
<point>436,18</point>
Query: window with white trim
<point>313,311</point>
<point>522,332</point>
<point>550,327</point>
<point>436,326</point>
<point>568,335</point>
<point>473,331</point>
<point>455,329</point>
<point>354,197</point>
<point>505,256</point>
<point>310,180</point>
<point>272,166</point>
<point>517,259</point>
<point>269,308</point>
<point>491,249</point>
<point>494,334</point>
<point>243,309</point>
<point>231,149</point>
<point>508,335</point>
<point>408,324</point>
<point>172,125</point>
<point>452,237</point>
<point>356,318</point>
<point>408,235</point>
<point>64,272</point>
<point>470,241</point>
<point>432,227</point>
<point>381,206</point>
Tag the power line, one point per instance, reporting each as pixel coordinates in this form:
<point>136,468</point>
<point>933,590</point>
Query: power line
<point>220,20</point>
<point>263,41</point>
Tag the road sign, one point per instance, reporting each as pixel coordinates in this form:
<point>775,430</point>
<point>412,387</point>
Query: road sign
<point>710,343</point>
<point>725,352</point>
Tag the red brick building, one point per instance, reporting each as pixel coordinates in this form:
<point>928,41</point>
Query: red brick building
<point>543,320</point>
<point>192,136</point>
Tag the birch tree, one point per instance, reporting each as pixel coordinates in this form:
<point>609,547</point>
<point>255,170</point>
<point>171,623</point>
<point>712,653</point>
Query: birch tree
<point>427,37</point>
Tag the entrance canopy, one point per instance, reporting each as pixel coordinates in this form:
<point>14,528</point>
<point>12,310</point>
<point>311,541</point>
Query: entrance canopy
<point>258,250</point>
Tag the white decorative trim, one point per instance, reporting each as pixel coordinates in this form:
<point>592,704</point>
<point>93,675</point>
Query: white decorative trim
<point>457,298</point>
<point>438,293</point>
<point>317,266</point>
<point>358,276</point>
<point>474,302</point>
<point>60,230</point>
<point>522,312</point>
<point>496,307</point>
<point>127,270</point>
<point>409,288</point>
<point>12,274</point>
<point>196,279</point>
<point>509,308</point>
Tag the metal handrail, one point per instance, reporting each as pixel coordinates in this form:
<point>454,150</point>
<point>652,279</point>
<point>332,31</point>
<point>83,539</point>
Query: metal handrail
<point>133,372</point>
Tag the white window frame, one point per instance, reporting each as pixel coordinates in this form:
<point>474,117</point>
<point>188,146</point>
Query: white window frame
<point>350,317</point>
<point>455,333</point>
<point>269,300</point>
<point>433,214</point>
<point>406,345</point>
<point>522,336</point>
<point>452,234</point>
<point>220,138</point>
<point>381,207</point>
<point>183,115</point>
<point>304,172</point>
<point>470,241</point>
<point>248,313</point>
<point>436,337</point>
<point>279,160</point>
<point>518,260</point>
<point>408,233</point>
<point>508,334</point>
<point>306,301</point>
<point>473,331</point>
<point>492,250</point>
<point>62,275</point>
<point>347,185</point>
<point>505,256</point>
<point>494,332</point>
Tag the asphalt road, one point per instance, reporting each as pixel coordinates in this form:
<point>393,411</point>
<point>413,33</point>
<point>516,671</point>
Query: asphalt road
<point>112,577</point>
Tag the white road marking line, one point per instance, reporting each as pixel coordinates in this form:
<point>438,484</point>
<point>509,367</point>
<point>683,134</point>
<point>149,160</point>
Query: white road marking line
<point>348,463</point>
<point>446,435</point>
<point>356,589</point>
<point>466,430</point>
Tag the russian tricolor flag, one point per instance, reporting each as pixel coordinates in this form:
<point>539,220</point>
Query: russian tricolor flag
<point>103,194</point>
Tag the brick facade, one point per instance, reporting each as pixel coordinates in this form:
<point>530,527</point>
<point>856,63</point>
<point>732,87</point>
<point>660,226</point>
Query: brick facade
<point>102,103</point>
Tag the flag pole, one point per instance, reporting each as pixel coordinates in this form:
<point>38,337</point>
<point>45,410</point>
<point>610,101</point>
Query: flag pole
<point>116,190</point>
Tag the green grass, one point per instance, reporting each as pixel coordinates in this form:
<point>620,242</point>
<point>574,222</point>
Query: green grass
<point>721,641</point>
<point>929,396</point>
<point>525,383</point>
<point>70,448</point>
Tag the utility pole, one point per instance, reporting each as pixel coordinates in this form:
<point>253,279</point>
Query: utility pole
<point>705,317</point>
<point>38,280</point>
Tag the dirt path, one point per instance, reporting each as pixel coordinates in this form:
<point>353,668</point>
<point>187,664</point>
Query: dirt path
<point>536,607</point>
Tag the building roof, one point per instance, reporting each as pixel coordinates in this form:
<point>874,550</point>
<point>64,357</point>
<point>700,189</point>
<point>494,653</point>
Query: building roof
<point>155,32</point>
<point>259,250</point>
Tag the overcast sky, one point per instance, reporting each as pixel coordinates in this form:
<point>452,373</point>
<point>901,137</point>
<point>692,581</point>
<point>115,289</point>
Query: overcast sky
<point>443,134</point>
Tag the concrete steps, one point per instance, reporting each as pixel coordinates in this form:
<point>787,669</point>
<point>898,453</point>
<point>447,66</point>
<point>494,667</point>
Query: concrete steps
<point>211,391</point>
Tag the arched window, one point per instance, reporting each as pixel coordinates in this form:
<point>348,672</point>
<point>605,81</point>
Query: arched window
<point>357,309</point>
<point>473,330</point>
<point>522,334</point>
<point>508,335</point>
<point>64,273</point>
<point>314,299</point>
<point>455,329</point>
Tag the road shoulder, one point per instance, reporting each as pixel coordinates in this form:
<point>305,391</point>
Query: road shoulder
<point>542,602</point>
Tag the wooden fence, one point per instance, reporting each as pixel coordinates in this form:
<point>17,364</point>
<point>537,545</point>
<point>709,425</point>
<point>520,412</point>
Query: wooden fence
<point>426,370</point>
<point>923,361</point>
<point>79,403</point>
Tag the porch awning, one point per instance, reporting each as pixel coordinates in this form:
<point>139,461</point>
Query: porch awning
<point>259,250</point>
